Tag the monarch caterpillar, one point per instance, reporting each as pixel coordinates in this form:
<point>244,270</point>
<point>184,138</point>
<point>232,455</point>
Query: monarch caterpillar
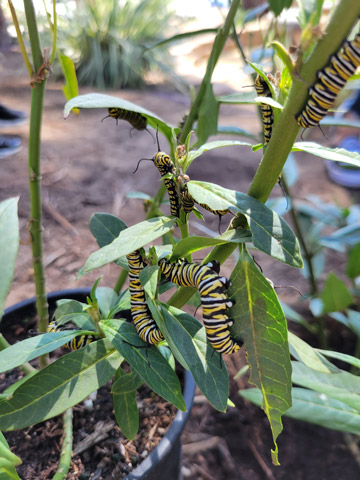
<point>214,299</point>
<point>135,119</point>
<point>164,164</point>
<point>144,323</point>
<point>76,342</point>
<point>331,80</point>
<point>263,90</point>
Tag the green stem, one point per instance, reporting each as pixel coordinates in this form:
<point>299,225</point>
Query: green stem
<point>120,281</point>
<point>218,46</point>
<point>37,100</point>
<point>26,368</point>
<point>65,457</point>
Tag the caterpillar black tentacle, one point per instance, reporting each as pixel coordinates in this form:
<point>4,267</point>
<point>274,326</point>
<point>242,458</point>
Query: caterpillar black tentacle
<point>145,325</point>
<point>330,80</point>
<point>214,299</point>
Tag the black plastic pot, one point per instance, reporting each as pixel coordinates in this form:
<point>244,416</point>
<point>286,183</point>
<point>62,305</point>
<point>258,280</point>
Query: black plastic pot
<point>164,462</point>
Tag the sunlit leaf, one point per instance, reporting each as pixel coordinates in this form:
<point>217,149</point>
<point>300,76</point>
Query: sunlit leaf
<point>99,100</point>
<point>129,240</point>
<point>334,154</point>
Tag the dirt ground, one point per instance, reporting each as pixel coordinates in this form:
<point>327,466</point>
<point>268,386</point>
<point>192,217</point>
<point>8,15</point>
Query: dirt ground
<point>86,168</point>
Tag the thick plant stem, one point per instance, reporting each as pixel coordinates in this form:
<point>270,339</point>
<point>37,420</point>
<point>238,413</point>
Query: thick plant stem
<point>65,457</point>
<point>35,228</point>
<point>218,46</point>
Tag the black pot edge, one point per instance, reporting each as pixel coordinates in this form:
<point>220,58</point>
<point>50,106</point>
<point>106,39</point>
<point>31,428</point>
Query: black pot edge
<point>178,424</point>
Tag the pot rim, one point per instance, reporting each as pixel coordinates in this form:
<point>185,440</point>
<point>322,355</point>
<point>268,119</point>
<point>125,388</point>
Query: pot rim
<point>177,425</point>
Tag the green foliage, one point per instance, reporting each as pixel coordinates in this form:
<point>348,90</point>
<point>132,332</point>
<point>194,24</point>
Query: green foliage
<point>112,40</point>
<point>328,395</point>
<point>260,323</point>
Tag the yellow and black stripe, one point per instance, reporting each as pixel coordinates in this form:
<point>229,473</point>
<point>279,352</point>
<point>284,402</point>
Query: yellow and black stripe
<point>145,325</point>
<point>214,299</point>
<point>263,90</point>
<point>75,343</point>
<point>331,80</point>
<point>135,119</point>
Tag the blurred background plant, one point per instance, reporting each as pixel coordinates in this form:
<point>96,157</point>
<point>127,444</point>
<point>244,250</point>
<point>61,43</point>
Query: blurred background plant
<point>113,43</point>
<point>110,41</point>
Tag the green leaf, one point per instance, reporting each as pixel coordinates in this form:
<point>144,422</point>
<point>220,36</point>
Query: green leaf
<point>342,386</point>
<point>129,240</point>
<point>240,97</point>
<point>7,458</point>
<point>260,322</point>
<point>309,356</point>
<point>277,6</point>
<point>123,303</point>
<point>71,88</point>
<point>125,383</point>
<point>105,228</point>
<point>193,244</point>
<point>232,130</point>
<point>125,406</point>
<point>208,116</point>
<point>59,386</point>
<point>340,122</point>
<point>283,54</point>
<point>316,408</point>
<point>335,296</point>
<point>341,356</point>
<point>148,363</point>
<point>9,243</point>
<point>334,154</point>
<point>99,100</point>
<point>9,474</point>
<point>107,299</point>
<point>271,234</point>
<point>211,146</point>
<point>149,279</point>
<point>127,413</point>
<point>31,348</point>
<point>353,262</point>
<point>187,339</point>
<point>74,311</point>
